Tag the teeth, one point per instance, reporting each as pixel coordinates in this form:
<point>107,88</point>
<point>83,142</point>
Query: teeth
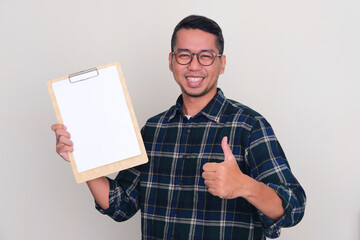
<point>192,79</point>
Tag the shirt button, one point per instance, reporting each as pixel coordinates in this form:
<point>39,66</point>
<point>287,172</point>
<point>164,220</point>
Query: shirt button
<point>188,131</point>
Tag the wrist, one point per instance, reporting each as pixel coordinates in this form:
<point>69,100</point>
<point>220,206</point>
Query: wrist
<point>246,187</point>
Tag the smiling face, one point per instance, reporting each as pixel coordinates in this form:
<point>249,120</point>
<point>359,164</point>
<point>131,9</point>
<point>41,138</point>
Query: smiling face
<point>195,80</point>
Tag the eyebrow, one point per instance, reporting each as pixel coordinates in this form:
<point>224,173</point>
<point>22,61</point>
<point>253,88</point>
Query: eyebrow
<point>185,49</point>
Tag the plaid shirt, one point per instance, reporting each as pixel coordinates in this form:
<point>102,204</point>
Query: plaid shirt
<point>169,189</point>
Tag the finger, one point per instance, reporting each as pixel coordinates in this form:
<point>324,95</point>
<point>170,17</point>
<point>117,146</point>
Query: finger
<point>61,132</point>
<point>56,126</point>
<point>213,191</point>
<point>210,166</point>
<point>63,151</point>
<point>210,183</point>
<point>60,148</point>
<point>64,140</point>
<point>209,175</point>
<point>226,149</point>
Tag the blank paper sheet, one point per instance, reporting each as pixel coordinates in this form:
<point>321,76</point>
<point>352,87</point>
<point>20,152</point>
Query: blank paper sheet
<point>97,117</point>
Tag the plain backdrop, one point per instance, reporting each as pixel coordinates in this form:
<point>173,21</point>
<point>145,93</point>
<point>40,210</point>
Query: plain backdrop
<point>295,62</point>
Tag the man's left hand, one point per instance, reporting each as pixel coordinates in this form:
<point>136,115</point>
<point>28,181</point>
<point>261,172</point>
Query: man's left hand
<point>225,179</point>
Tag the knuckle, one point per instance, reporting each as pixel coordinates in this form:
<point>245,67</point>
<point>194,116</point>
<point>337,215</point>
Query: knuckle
<point>59,148</point>
<point>62,139</point>
<point>54,127</point>
<point>222,193</point>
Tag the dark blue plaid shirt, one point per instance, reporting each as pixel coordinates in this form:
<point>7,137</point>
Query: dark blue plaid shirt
<point>169,189</point>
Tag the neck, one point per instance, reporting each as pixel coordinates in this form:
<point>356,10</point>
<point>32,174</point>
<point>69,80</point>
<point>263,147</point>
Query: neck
<point>193,105</point>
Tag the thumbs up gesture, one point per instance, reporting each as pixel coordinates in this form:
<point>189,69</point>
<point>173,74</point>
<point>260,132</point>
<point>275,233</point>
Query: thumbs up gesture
<point>225,179</point>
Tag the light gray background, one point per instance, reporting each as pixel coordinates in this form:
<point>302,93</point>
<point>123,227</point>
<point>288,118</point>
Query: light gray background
<point>296,62</point>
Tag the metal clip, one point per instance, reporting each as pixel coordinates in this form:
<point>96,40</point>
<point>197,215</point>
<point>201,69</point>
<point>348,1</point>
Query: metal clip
<point>83,75</point>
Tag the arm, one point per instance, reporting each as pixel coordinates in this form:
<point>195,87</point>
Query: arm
<point>100,189</point>
<point>116,198</point>
<point>227,181</point>
<point>267,166</point>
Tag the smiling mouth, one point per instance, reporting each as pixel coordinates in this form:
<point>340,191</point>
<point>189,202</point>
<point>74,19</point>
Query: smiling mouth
<point>194,79</point>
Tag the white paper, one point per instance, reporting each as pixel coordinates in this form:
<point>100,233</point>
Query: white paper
<point>96,115</point>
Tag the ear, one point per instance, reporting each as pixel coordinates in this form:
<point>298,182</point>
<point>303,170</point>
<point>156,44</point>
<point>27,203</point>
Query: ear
<point>170,61</point>
<point>222,64</point>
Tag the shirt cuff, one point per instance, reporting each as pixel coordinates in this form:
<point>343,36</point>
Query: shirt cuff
<point>273,228</point>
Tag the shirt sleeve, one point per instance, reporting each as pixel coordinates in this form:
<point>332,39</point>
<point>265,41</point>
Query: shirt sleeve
<point>123,195</point>
<point>268,164</point>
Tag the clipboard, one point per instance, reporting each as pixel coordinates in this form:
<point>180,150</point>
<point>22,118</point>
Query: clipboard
<point>95,106</point>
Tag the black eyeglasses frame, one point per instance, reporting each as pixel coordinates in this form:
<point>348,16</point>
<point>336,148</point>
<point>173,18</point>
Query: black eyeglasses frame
<point>197,56</point>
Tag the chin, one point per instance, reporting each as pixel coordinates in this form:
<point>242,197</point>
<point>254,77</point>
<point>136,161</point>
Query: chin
<point>196,93</point>
<point>199,92</point>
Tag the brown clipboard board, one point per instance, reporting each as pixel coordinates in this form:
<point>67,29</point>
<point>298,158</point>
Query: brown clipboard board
<point>113,167</point>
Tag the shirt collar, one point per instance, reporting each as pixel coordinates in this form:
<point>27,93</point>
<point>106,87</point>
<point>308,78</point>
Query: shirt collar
<point>212,110</point>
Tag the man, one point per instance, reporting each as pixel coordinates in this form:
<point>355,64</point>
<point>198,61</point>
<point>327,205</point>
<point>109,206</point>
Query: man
<point>215,170</point>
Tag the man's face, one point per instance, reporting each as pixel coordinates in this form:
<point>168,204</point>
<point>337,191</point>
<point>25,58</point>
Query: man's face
<point>194,79</point>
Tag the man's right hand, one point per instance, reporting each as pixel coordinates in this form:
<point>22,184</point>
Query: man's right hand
<point>63,142</point>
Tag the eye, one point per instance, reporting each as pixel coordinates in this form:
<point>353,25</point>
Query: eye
<point>183,55</point>
<point>206,56</point>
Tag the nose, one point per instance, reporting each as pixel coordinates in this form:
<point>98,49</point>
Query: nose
<point>194,65</point>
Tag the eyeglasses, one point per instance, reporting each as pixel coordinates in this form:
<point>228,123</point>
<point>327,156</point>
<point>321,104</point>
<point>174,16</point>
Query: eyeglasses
<point>204,57</point>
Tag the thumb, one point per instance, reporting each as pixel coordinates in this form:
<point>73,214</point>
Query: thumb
<point>226,149</point>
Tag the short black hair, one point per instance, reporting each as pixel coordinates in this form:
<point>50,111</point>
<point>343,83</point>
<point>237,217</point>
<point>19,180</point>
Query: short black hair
<point>202,23</point>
